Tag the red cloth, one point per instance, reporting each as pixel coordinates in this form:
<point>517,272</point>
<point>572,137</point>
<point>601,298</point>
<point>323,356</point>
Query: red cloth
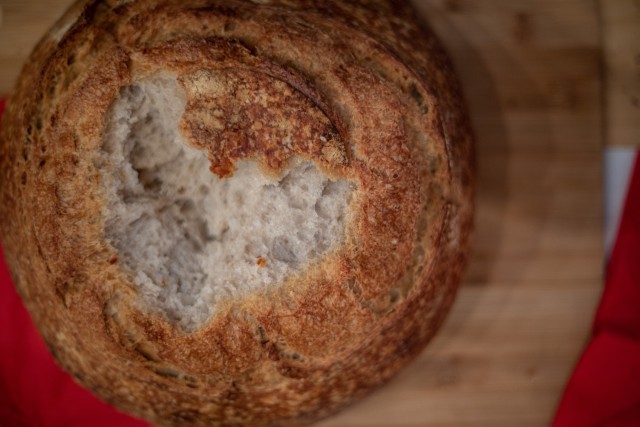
<point>34,391</point>
<point>604,389</point>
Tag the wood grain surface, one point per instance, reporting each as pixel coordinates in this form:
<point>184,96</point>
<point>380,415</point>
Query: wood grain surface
<point>621,45</point>
<point>531,71</point>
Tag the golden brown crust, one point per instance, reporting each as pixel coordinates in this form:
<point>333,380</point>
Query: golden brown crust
<point>358,88</point>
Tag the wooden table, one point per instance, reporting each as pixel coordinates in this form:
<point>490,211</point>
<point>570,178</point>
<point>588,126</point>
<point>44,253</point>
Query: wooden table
<point>621,44</point>
<point>532,76</point>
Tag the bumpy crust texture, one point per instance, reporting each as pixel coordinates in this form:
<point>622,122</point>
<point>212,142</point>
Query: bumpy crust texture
<point>367,94</point>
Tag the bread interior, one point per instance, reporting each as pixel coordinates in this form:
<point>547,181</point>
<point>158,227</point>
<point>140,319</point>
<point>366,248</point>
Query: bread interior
<point>190,239</point>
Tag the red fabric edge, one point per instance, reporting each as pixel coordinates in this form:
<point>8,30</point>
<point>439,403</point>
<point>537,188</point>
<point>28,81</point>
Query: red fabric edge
<point>604,389</point>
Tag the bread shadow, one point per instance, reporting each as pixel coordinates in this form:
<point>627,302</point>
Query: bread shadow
<point>500,166</point>
<point>513,169</point>
<point>492,156</point>
<point>505,181</point>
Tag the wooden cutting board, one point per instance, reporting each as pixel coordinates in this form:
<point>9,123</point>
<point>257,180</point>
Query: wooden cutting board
<point>531,73</point>
<point>621,44</point>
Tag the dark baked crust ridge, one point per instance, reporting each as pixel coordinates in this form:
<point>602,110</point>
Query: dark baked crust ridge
<point>251,364</point>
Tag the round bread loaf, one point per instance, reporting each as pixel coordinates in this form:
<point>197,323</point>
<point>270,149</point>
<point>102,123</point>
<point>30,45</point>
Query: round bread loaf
<point>224,212</point>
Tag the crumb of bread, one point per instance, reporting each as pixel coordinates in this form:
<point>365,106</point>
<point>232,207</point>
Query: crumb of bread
<point>190,238</point>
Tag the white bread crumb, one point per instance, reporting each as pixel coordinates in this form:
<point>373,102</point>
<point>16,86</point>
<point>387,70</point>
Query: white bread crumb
<point>190,238</point>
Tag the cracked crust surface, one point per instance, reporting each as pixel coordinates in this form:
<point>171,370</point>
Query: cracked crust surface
<point>356,87</point>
